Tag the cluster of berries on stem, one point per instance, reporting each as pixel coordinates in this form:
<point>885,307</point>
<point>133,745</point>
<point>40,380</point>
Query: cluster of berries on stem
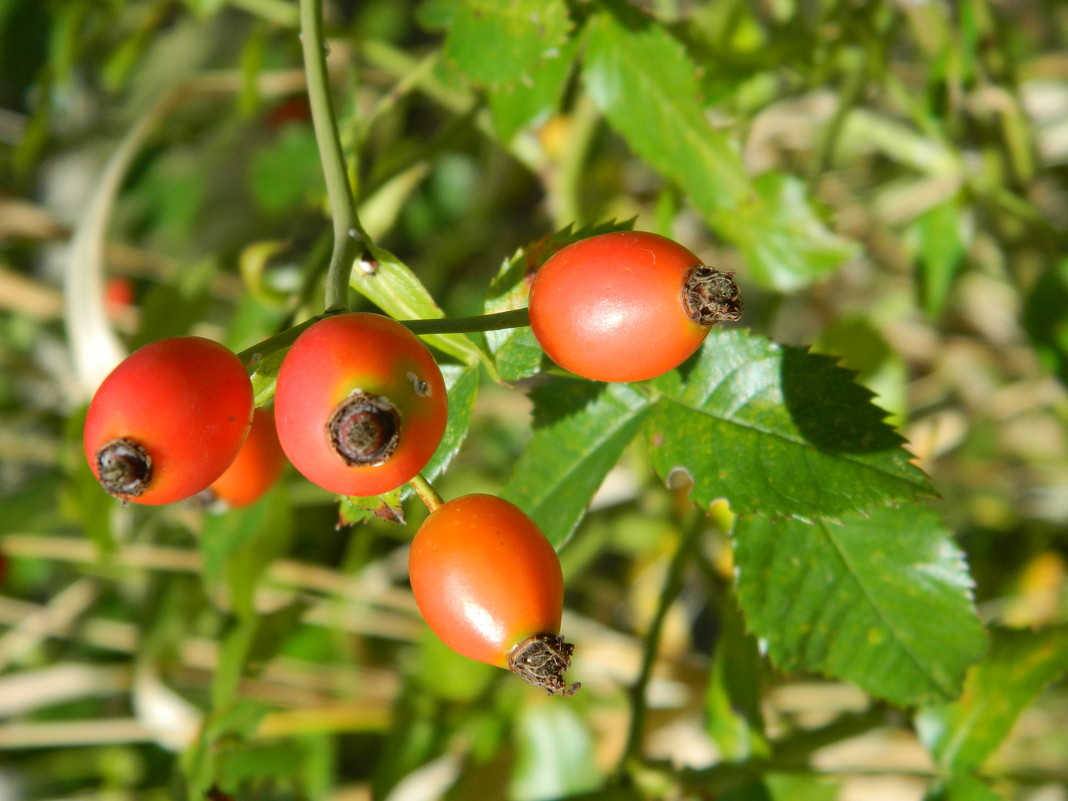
<point>360,407</point>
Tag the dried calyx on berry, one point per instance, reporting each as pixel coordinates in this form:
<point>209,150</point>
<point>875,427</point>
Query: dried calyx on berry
<point>124,468</point>
<point>710,296</point>
<point>364,429</point>
<point>541,661</point>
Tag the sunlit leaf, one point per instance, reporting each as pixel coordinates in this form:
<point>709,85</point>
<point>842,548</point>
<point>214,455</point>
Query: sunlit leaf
<point>390,285</point>
<point>881,599</point>
<point>963,787</point>
<point>555,754</point>
<point>494,42</point>
<point>461,381</point>
<point>779,431</point>
<point>645,83</point>
<point>533,97</point>
<point>940,246</point>
<point>785,243</point>
<point>580,431</point>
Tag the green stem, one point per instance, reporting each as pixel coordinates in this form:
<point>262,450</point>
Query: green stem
<point>672,587</point>
<point>427,494</point>
<point>349,235</point>
<point>277,342</point>
<point>565,190</point>
<point>516,318</point>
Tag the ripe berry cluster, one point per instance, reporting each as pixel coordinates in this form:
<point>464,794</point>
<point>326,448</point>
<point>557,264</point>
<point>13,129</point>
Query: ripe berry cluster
<point>360,407</point>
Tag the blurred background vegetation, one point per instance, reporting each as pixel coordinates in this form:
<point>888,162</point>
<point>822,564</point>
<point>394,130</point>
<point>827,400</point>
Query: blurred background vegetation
<point>920,150</point>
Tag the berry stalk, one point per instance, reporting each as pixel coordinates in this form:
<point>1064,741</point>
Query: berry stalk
<point>349,234</point>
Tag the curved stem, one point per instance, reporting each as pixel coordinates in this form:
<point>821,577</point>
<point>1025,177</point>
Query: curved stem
<point>565,188</point>
<point>277,342</point>
<point>427,494</point>
<point>672,587</point>
<point>516,318</point>
<point>348,232</point>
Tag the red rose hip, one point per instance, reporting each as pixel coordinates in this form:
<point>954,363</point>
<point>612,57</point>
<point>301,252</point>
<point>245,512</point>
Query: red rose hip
<point>360,405</point>
<point>168,420</point>
<point>489,584</point>
<point>627,306</point>
<point>256,467</point>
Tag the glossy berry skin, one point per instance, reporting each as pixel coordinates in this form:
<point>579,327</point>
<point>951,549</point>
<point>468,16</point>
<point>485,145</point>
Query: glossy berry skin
<point>485,578</point>
<point>256,467</point>
<point>342,357</point>
<point>611,307</point>
<point>186,402</point>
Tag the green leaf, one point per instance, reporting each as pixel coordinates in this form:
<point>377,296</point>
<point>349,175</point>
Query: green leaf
<point>264,374</point>
<point>395,289</point>
<point>646,85</point>
<point>501,41</point>
<point>580,431</point>
<point>882,600</point>
<point>858,344</point>
<point>284,174</point>
<point>961,735</point>
<point>785,243</point>
<point>732,699</point>
<point>963,788</point>
<point>172,309</point>
<point>359,509</point>
<point>239,546</point>
<point>779,431</point>
<point>270,634</point>
<point>555,754</point>
<point>436,15</point>
<point>519,103</point>
<point>802,787</point>
<point>750,790</point>
<point>518,354</point>
<point>461,381</point>
<point>1046,318</point>
<point>941,253</point>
